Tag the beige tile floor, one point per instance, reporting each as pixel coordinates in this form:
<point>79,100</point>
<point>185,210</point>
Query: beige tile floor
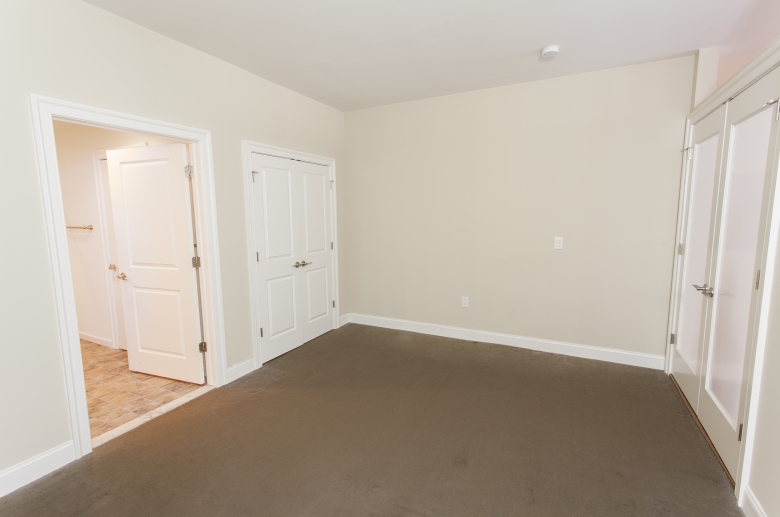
<point>115,395</point>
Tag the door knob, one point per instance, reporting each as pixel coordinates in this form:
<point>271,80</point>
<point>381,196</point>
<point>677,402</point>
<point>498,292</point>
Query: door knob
<point>706,291</point>
<point>112,267</point>
<point>122,276</point>
<point>304,263</point>
<point>297,264</point>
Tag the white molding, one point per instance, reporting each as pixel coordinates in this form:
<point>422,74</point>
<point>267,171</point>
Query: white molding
<point>98,340</point>
<point>132,424</point>
<point>750,504</point>
<point>611,355</point>
<point>751,72</point>
<point>26,472</point>
<point>248,147</point>
<point>239,370</point>
<point>343,320</point>
<point>44,111</point>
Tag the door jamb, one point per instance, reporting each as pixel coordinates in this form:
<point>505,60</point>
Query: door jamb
<point>249,147</point>
<point>44,111</point>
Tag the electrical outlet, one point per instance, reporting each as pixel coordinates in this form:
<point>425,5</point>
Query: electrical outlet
<point>558,243</point>
<point>465,302</point>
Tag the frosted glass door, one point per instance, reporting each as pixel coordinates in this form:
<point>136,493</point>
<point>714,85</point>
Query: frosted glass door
<point>739,249</point>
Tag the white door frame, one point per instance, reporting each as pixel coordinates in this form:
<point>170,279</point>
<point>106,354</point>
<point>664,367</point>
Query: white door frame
<point>762,65</point>
<point>249,148</point>
<point>45,110</point>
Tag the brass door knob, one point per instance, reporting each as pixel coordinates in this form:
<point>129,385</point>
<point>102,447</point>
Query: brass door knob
<point>297,264</point>
<point>112,267</point>
<point>122,276</point>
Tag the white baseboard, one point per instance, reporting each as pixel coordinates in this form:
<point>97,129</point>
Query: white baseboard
<point>17,476</point>
<point>239,370</point>
<point>750,504</point>
<point>611,355</point>
<point>343,320</point>
<point>95,339</point>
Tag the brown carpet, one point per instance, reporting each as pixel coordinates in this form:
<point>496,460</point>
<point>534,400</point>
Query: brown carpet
<point>372,422</point>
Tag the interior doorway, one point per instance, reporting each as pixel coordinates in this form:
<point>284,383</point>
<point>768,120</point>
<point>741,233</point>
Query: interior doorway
<point>162,259</point>
<point>102,221</point>
<point>725,265</point>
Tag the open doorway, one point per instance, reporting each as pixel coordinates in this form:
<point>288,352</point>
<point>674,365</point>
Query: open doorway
<point>120,392</point>
<point>130,215</point>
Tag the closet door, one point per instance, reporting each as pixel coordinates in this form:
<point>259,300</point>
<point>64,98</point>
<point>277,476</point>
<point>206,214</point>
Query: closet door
<point>704,159</point>
<point>738,255</point>
<point>293,240</point>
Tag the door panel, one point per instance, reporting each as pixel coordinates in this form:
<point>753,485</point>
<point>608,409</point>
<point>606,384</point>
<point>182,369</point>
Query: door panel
<point>705,164</point>
<point>150,198</point>
<point>292,221</point>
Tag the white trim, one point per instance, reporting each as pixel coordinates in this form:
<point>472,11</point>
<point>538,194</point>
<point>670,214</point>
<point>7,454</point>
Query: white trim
<point>132,424</point>
<point>611,355</point>
<point>750,504</point>
<point>239,370</point>
<point>751,72</point>
<point>343,320</point>
<point>45,111</point>
<point>21,474</point>
<point>98,340</point>
<point>249,147</point>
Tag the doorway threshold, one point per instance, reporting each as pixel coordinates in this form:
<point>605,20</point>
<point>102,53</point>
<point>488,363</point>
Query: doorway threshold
<point>132,424</point>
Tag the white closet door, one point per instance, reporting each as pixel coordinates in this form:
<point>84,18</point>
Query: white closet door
<point>292,225</point>
<point>704,165</point>
<point>150,198</point>
<point>751,129</point>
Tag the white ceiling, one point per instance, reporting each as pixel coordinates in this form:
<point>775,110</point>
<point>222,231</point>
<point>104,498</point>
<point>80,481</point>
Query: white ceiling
<point>354,54</point>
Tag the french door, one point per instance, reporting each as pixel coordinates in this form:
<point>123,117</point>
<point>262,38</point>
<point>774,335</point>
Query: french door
<point>732,155</point>
<point>294,261</point>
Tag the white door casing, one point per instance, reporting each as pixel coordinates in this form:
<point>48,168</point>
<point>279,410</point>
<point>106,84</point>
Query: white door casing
<point>150,197</point>
<point>292,224</point>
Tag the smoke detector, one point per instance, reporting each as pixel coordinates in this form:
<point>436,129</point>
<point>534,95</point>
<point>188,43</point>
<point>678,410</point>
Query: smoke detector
<point>550,51</point>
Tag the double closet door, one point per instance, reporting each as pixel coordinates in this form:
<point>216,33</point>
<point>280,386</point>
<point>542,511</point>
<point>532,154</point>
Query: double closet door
<point>732,159</point>
<point>292,220</point>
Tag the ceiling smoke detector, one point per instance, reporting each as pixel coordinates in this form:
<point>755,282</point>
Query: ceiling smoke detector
<point>550,51</point>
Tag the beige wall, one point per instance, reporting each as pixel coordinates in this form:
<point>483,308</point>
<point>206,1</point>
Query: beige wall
<point>753,34</point>
<point>80,192</point>
<point>74,51</point>
<point>462,196</point>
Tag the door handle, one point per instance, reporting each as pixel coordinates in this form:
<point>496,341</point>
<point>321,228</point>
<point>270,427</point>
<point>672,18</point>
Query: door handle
<point>706,291</point>
<point>122,276</point>
<point>304,263</point>
<point>297,264</point>
<point>112,267</point>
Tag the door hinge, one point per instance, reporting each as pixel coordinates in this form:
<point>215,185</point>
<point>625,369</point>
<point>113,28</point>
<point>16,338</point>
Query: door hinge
<point>672,339</point>
<point>334,304</point>
<point>680,248</point>
<point>188,171</point>
<point>739,436</point>
<point>331,184</point>
<point>261,331</point>
<point>758,278</point>
<point>689,151</point>
<point>331,245</point>
<point>257,254</point>
<point>202,346</point>
<point>196,262</point>
<point>253,176</point>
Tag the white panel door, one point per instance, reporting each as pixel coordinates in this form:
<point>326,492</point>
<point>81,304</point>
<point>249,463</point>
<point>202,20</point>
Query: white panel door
<point>150,198</point>
<point>292,225</point>
<point>704,162</point>
<point>751,130</point>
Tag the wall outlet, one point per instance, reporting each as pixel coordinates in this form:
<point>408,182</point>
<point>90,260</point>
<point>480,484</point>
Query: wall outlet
<point>558,243</point>
<point>465,302</point>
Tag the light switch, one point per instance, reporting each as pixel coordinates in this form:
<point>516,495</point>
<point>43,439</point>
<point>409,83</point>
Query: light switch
<point>465,302</point>
<point>558,243</point>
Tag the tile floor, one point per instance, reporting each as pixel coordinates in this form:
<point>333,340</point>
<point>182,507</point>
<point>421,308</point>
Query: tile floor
<point>115,395</point>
